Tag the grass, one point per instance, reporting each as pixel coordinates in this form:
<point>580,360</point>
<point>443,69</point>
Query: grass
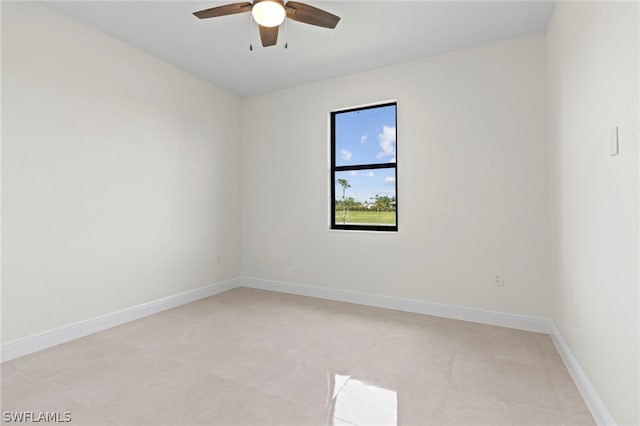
<point>371,217</point>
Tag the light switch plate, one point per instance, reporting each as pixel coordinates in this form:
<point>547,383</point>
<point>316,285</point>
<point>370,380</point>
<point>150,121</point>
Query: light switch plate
<point>614,146</point>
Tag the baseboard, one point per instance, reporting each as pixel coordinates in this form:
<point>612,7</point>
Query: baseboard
<point>598,410</point>
<point>40,341</point>
<point>34,343</point>
<point>520,322</point>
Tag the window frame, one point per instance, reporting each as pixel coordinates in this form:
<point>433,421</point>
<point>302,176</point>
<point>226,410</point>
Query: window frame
<point>334,168</point>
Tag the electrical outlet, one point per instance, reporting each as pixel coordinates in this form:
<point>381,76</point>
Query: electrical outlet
<point>218,260</point>
<point>290,263</point>
<point>498,279</point>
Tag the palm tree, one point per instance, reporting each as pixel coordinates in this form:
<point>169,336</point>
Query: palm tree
<point>377,203</point>
<point>344,184</point>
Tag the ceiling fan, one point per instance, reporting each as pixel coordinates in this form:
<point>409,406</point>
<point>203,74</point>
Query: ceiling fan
<point>269,14</point>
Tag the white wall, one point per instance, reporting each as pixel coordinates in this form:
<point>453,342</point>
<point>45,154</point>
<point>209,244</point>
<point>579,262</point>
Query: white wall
<point>119,175</point>
<point>593,87</point>
<point>472,182</point>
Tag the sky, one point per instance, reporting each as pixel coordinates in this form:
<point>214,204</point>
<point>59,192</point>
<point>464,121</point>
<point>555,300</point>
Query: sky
<point>366,137</point>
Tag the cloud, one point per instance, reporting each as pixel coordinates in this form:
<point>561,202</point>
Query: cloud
<point>387,141</point>
<point>371,174</point>
<point>353,173</point>
<point>393,160</point>
<point>346,155</point>
<point>363,138</point>
<point>389,180</point>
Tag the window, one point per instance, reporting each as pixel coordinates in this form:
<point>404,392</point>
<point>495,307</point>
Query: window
<point>364,169</point>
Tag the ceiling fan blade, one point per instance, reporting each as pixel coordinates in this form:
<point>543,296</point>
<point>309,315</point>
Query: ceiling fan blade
<point>302,12</point>
<point>268,35</point>
<point>227,9</point>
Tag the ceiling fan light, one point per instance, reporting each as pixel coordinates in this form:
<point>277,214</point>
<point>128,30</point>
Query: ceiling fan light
<point>268,13</point>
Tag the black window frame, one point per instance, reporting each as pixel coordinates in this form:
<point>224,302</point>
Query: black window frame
<point>334,169</point>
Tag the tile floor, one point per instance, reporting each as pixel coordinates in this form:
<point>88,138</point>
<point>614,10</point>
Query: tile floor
<point>251,357</point>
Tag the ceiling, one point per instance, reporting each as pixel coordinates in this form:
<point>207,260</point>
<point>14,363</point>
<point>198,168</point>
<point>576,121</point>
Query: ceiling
<point>371,34</point>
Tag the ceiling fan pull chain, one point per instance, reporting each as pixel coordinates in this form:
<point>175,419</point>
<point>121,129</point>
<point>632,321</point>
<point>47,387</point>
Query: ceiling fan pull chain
<point>286,34</point>
<point>251,32</point>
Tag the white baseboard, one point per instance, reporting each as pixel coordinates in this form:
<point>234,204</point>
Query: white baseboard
<point>520,322</point>
<point>598,410</point>
<point>34,343</point>
<point>40,341</point>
